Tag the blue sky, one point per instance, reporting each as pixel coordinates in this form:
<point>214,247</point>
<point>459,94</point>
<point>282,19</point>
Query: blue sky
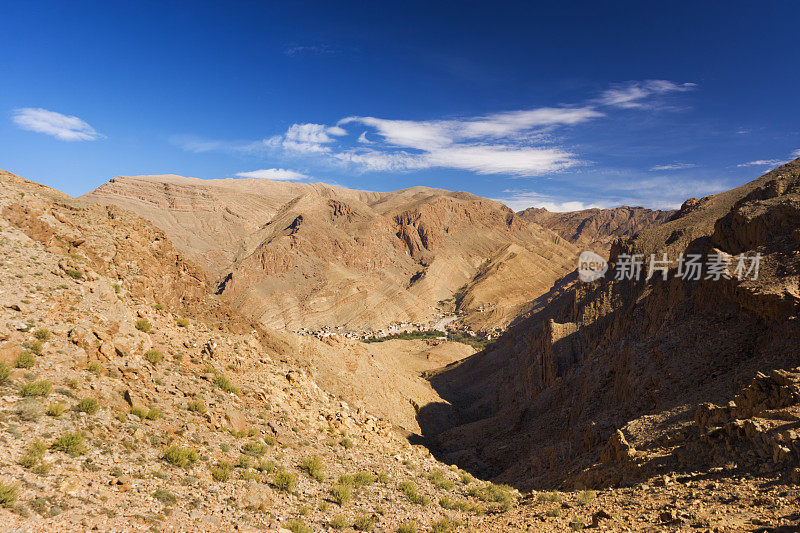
<point>556,104</point>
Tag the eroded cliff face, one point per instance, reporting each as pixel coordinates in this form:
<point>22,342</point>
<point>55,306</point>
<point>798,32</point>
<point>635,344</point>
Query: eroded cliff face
<point>597,229</point>
<point>539,406</point>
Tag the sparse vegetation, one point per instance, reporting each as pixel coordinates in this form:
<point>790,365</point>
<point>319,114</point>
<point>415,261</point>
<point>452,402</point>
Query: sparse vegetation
<point>346,443</point>
<point>221,471</point>
<point>445,525</point>
<point>56,409</point>
<point>440,481</point>
<point>36,388</point>
<point>29,410</point>
<point>364,523</point>
<point>500,494</point>
<point>552,496</point>
<point>254,449</point>
<point>338,522</point>
<point>25,360</point>
<point>74,273</point>
<point>33,454</point>
<point>165,496</point>
<point>42,334</point>
<point>143,325</point>
<point>88,405</point>
<point>577,524</point>
<point>295,525</point>
<point>153,357</point>
<point>182,322</point>
<point>94,368</point>
<point>407,527</point>
<point>342,493</point>
<point>196,406</point>
<point>313,467</point>
<point>8,494</point>
<point>5,373</point>
<point>585,496</point>
<point>180,456</point>
<point>554,512</point>
<point>71,443</point>
<point>223,383</point>
<point>284,481</point>
<point>410,491</point>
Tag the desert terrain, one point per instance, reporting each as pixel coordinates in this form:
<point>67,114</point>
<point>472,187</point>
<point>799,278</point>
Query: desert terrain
<point>158,371</point>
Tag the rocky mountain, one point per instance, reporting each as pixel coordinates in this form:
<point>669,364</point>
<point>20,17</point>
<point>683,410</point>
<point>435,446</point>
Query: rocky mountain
<point>294,255</point>
<point>132,397</point>
<point>619,381</point>
<point>596,229</point>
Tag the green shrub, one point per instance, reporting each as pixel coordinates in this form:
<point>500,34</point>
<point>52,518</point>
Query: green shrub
<point>153,357</point>
<point>346,443</point>
<point>117,288</point>
<point>313,467</point>
<point>553,496</point>
<point>342,493</point>
<point>35,388</point>
<point>338,522</point>
<point>553,512</point>
<point>196,406</point>
<point>94,368</point>
<point>5,373</point>
<point>153,414</point>
<point>25,360</point>
<point>223,383</point>
<point>158,307</point>
<point>182,322</point>
<point>444,525</point>
<point>56,409</point>
<point>585,496</point>
<point>266,467</point>
<point>362,479</point>
<point>180,456</point>
<point>284,481</point>
<point>577,524</point>
<point>88,406</point>
<point>295,525</point>
<point>383,478</point>
<point>437,477</point>
<point>138,411</point>
<point>143,325</point>
<point>254,449</point>
<point>407,527</point>
<point>71,443</point>
<point>221,471</point>
<point>465,477</point>
<point>409,489</point>
<point>42,334</point>
<point>501,494</point>
<point>364,523</point>
<point>8,494</point>
<point>243,462</point>
<point>165,496</point>
<point>36,347</point>
<point>33,454</point>
<point>74,273</point>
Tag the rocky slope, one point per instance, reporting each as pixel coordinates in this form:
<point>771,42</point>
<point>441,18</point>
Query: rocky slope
<point>596,229</point>
<point>602,385</point>
<point>132,398</point>
<point>310,255</point>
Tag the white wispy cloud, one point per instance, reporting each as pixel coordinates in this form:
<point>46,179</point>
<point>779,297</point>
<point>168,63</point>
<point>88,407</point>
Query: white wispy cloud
<point>763,163</point>
<point>278,174</point>
<point>519,200</point>
<point>631,95</point>
<point>796,153</point>
<point>673,166</point>
<point>62,127</point>
<point>517,143</point>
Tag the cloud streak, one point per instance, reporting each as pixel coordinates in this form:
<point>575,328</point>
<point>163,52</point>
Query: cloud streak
<point>515,143</point>
<point>277,174</point>
<point>62,127</point>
